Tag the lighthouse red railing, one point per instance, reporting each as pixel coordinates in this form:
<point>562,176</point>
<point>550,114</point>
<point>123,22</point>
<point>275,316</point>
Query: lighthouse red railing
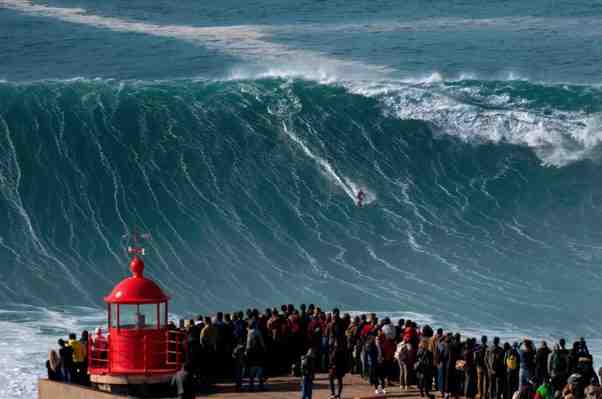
<point>174,348</point>
<point>164,354</point>
<point>98,355</point>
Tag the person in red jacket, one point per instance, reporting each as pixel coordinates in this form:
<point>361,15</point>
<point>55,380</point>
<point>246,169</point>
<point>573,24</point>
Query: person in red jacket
<point>409,333</point>
<point>360,198</point>
<point>388,348</point>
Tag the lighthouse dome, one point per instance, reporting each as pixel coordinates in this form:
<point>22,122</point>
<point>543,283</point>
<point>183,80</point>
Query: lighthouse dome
<point>137,288</point>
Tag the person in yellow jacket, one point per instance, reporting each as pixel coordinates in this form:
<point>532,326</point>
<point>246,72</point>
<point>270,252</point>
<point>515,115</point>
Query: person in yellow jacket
<point>79,358</point>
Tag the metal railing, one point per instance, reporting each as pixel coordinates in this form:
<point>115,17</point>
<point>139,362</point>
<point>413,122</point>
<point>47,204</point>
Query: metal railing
<point>101,358</point>
<point>174,347</point>
<point>98,357</point>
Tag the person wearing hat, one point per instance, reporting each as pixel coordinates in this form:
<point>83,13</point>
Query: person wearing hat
<point>574,388</point>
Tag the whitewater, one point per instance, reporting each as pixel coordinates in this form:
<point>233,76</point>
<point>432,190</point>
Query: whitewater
<point>239,138</point>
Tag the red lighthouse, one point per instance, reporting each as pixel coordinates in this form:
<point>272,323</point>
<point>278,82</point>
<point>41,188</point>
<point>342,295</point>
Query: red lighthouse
<point>140,349</point>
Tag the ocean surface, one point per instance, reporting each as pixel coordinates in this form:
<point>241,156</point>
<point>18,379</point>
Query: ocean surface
<point>238,133</point>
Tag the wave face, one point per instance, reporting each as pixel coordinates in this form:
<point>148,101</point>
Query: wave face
<point>483,197</point>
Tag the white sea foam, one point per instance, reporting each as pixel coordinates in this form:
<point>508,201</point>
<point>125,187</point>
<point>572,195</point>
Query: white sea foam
<point>247,41</point>
<point>28,333</point>
<point>557,137</point>
<point>582,25</point>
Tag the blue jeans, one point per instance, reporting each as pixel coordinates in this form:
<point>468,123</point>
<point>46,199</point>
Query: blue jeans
<point>441,378</point>
<point>307,386</point>
<point>525,376</point>
<point>66,373</point>
<point>255,372</point>
<point>364,362</point>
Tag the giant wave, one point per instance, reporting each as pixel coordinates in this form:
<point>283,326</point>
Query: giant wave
<point>484,195</point>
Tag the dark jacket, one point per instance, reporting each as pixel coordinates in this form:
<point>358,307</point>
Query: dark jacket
<point>452,376</point>
<point>480,356</point>
<point>308,364</point>
<point>424,363</point>
<point>495,361</point>
<point>470,373</point>
<point>527,360</point>
<point>337,348</point>
<point>66,354</point>
<point>255,348</point>
<point>541,364</point>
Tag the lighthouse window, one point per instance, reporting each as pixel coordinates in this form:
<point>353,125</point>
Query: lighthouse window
<point>149,313</point>
<point>162,315</point>
<point>114,316</point>
<point>127,316</point>
<point>138,316</point>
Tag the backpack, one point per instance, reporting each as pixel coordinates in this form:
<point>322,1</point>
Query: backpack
<point>512,361</point>
<point>425,361</point>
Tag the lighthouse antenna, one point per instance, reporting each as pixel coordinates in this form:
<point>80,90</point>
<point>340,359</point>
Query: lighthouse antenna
<point>135,239</point>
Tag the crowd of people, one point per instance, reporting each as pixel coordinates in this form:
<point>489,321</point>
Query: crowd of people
<point>253,346</point>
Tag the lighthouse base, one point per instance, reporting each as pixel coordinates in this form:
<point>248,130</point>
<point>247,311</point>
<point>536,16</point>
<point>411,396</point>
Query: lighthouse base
<point>108,387</point>
<point>145,386</point>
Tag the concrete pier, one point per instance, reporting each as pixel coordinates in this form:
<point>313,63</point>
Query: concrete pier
<point>57,390</point>
<point>290,388</point>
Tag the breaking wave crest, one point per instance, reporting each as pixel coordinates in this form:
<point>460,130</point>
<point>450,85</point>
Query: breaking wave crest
<point>561,123</point>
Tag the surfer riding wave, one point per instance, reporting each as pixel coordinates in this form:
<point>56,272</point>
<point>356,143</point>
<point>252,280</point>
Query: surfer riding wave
<point>360,198</point>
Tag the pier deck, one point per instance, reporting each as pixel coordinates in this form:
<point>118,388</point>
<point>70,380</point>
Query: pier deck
<point>289,387</point>
<point>276,388</point>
